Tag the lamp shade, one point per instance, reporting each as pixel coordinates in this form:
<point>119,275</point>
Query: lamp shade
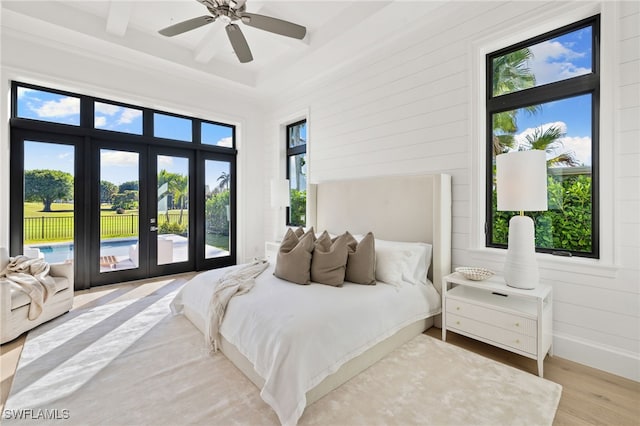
<point>280,193</point>
<point>521,181</point>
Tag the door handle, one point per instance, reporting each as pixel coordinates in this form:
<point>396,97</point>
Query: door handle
<point>153,228</point>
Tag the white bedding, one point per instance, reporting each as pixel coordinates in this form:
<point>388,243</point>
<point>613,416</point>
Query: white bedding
<point>295,335</point>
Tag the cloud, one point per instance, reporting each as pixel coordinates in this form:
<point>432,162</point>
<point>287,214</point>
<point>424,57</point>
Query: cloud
<point>60,108</point>
<point>107,109</point>
<point>552,62</point>
<point>579,145</point>
<point>118,158</point>
<point>165,160</point>
<point>100,121</point>
<point>225,142</point>
<point>22,91</point>
<point>128,115</point>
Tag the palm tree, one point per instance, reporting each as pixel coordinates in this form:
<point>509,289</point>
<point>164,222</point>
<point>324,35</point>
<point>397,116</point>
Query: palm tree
<point>224,179</point>
<point>180,189</point>
<point>510,74</point>
<point>549,141</point>
<point>177,186</point>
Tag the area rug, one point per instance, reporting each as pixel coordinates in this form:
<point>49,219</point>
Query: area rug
<point>133,363</point>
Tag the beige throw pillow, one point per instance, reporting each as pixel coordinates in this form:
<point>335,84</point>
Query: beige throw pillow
<point>329,260</point>
<point>361,262</point>
<point>294,257</point>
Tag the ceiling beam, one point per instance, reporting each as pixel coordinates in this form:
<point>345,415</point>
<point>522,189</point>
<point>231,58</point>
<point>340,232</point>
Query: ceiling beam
<point>118,18</point>
<point>210,44</point>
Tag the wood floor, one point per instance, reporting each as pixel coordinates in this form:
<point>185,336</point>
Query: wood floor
<point>589,396</point>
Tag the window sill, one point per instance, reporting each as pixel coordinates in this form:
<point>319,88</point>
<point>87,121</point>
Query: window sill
<point>578,265</point>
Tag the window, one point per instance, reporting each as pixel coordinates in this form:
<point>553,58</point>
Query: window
<point>122,190</point>
<point>47,106</point>
<point>297,172</point>
<point>117,118</point>
<point>543,93</point>
<point>217,134</point>
<point>172,127</point>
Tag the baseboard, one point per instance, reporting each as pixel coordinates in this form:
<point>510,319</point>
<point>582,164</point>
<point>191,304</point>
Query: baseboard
<point>612,360</point>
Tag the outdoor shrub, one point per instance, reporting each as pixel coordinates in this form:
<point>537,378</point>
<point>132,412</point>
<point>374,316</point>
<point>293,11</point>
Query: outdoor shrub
<point>172,228</point>
<point>216,213</point>
<point>298,208</point>
<point>567,223</point>
<point>127,200</point>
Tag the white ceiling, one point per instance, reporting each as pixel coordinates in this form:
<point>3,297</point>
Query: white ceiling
<point>338,32</point>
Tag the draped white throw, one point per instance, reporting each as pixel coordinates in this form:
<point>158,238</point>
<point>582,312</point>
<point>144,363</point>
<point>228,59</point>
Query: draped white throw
<point>32,275</point>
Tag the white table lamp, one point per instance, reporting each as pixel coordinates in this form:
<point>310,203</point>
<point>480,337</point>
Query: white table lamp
<point>280,199</point>
<point>521,185</point>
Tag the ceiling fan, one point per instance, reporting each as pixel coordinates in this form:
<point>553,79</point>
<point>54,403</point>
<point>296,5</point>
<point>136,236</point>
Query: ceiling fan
<point>235,10</point>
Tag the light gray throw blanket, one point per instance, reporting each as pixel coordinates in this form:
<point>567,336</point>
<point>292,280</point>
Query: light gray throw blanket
<point>233,283</point>
<point>32,275</point>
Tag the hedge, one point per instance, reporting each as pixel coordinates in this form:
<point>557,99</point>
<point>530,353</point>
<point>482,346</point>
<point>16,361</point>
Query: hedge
<point>567,223</point>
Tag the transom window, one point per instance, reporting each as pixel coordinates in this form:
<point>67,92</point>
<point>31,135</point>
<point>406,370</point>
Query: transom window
<point>56,106</point>
<point>543,93</point>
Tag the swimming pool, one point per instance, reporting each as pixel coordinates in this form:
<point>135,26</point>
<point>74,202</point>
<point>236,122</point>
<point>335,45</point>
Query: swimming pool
<point>60,252</point>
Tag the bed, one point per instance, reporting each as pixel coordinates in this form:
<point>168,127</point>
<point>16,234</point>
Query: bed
<point>297,343</point>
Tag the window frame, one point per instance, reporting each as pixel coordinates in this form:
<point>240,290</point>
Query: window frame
<point>291,152</point>
<point>84,137</point>
<point>557,90</point>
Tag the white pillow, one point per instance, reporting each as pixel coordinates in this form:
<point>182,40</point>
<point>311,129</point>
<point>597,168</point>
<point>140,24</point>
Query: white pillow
<point>412,260</point>
<point>389,265</point>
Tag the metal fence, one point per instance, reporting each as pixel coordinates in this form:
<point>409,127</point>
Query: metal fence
<point>60,228</point>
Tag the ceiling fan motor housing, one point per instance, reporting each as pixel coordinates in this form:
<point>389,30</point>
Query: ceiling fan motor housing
<point>221,8</point>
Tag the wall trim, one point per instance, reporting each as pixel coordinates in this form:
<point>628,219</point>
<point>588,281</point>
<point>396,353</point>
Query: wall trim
<point>612,360</point>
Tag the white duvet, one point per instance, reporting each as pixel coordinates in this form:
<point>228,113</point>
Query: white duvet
<point>296,335</point>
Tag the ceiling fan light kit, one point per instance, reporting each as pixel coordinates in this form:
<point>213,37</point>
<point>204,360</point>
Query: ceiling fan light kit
<point>234,10</point>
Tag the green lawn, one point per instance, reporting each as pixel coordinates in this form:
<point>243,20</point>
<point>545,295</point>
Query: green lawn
<point>64,209</point>
<point>57,225</point>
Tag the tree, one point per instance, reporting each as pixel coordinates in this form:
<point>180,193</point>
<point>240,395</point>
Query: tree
<point>107,191</point>
<point>131,185</point>
<point>177,186</point>
<point>47,186</point>
<point>549,141</point>
<point>224,179</point>
<point>510,74</point>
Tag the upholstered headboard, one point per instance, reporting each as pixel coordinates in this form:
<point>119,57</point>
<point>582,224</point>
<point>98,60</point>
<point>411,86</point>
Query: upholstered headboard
<point>399,208</point>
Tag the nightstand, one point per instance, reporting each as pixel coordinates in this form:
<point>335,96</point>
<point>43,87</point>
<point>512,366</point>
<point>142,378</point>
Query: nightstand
<point>271,251</point>
<point>513,319</point>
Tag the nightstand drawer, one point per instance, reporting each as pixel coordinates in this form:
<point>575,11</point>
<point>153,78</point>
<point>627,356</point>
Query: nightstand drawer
<point>505,320</point>
<point>492,333</point>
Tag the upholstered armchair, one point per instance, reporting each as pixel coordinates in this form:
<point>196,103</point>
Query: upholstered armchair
<point>14,302</point>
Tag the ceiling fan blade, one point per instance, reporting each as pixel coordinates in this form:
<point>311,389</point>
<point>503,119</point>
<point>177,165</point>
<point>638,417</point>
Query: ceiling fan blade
<point>274,25</point>
<point>239,43</point>
<point>188,25</point>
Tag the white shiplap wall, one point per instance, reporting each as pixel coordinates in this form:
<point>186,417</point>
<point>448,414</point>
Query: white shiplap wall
<point>408,107</point>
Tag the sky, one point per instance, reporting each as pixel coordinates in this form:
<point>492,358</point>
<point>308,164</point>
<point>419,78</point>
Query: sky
<point>116,166</point>
<point>555,60</point>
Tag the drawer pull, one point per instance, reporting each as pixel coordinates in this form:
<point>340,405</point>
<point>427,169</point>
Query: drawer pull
<point>518,341</point>
<point>457,308</point>
<point>517,324</point>
<point>457,322</point>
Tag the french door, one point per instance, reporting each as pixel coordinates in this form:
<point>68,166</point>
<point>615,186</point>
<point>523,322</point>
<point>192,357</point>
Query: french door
<point>121,211</point>
<point>141,215</point>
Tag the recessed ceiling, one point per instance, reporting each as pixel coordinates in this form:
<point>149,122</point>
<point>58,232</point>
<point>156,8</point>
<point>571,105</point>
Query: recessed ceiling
<point>337,32</point>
